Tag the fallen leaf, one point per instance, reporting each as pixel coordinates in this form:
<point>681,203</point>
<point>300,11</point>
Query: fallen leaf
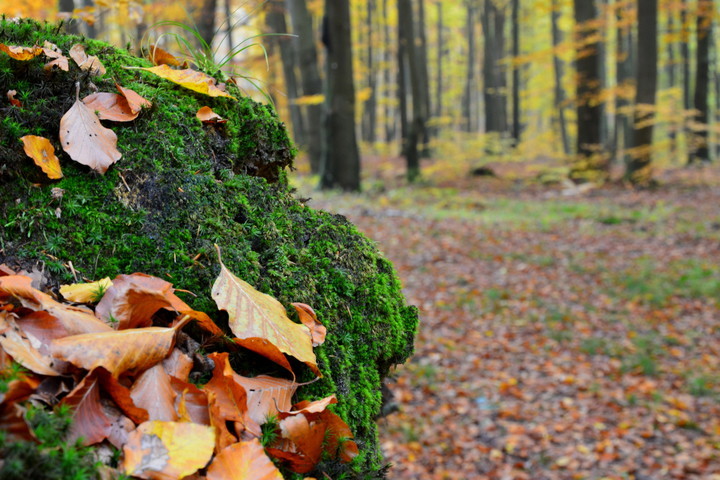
<point>59,60</point>
<point>168,450</point>
<point>13,101</point>
<point>190,402</point>
<point>90,420</point>
<point>228,396</point>
<point>242,461</point>
<point>266,396</point>
<point>13,424</point>
<point>190,79</point>
<point>135,101</point>
<point>300,444</point>
<point>158,56</point>
<point>178,365</point>
<point>85,139</point>
<point>206,115</point>
<point>204,322</point>
<point>42,328</point>
<point>85,292</point>
<point>120,394</point>
<point>18,346</point>
<point>308,317</point>
<point>110,106</point>
<point>86,62</point>
<point>117,352</point>
<point>43,154</point>
<point>132,300</point>
<point>260,322</point>
<point>152,392</point>
<point>21,53</point>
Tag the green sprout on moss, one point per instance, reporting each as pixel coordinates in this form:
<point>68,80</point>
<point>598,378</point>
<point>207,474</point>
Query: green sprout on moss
<point>269,431</point>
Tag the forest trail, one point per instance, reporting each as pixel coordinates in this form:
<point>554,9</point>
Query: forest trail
<point>559,337</point>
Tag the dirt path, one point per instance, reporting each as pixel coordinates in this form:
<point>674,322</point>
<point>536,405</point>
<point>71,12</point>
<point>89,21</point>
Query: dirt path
<point>559,338</point>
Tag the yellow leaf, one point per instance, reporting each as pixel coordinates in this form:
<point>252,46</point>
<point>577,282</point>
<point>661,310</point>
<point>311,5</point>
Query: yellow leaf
<point>190,79</point>
<point>21,53</point>
<point>85,292</point>
<point>309,100</point>
<point>260,322</point>
<point>164,450</point>
<point>43,154</point>
<point>241,461</point>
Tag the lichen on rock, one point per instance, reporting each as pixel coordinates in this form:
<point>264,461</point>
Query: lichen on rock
<point>181,187</point>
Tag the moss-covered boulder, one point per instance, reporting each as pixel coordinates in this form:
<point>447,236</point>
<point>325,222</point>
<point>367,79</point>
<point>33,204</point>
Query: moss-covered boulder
<point>182,187</point>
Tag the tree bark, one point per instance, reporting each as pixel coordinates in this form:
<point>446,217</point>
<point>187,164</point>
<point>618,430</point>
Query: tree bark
<point>439,60</point>
<point>557,67</point>
<point>205,22</point>
<point>516,125</point>
<point>624,79</point>
<point>369,109</point>
<point>341,160</point>
<point>700,151</point>
<point>422,59</point>
<point>639,165</point>
<point>67,6</point>
<point>591,164</point>
<point>495,82</point>
<point>390,115</point>
<point>470,86</point>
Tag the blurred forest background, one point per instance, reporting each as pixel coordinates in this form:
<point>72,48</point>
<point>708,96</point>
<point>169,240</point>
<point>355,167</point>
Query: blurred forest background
<point>592,89</point>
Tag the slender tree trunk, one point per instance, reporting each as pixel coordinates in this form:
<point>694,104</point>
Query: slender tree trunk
<point>275,19</point>
<point>671,76</point>
<point>390,115</point>
<point>67,6</point>
<point>700,151</point>
<point>624,79</point>
<point>494,79</point>
<point>470,87</point>
<point>439,61</point>
<point>685,53</point>
<point>205,22</point>
<point>307,57</point>
<point>516,125</point>
<point>557,67</point>
<point>422,59</point>
<point>369,110</point>
<point>229,27</point>
<point>341,159</point>
<point>591,164</point>
<point>639,166</point>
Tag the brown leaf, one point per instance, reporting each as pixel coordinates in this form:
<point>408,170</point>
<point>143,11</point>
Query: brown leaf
<point>42,328</point>
<point>16,344</point>
<point>190,79</point>
<point>168,450</point>
<point>86,62</point>
<point>223,437</point>
<point>85,139</point>
<point>206,115</point>
<point>43,154</point>
<point>132,300</point>
<point>75,320</point>
<point>204,322</point>
<point>158,56</point>
<point>13,424</point>
<point>178,365</point>
<point>244,460</point>
<point>266,396</point>
<point>228,396</point>
<point>135,101</point>
<point>13,101</point>
<point>121,396</point>
<point>110,106</point>
<point>21,53</point>
<point>152,391</point>
<point>90,420</point>
<point>308,317</point>
<point>300,443</point>
<point>118,352</point>
<point>59,60</point>
<point>261,323</point>
<point>195,402</point>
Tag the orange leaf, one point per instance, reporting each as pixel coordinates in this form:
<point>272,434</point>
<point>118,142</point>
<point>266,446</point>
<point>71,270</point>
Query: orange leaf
<point>266,396</point>
<point>193,400</point>
<point>75,320</point>
<point>135,101</point>
<point>18,346</point>
<point>85,292</point>
<point>21,53</point>
<point>13,101</point>
<point>229,398</point>
<point>168,450</point>
<point>117,352</point>
<point>43,154</point>
<point>206,115</point>
<point>300,443</point>
<point>86,62</point>
<point>42,328</point>
<point>308,317</point>
<point>90,419</point>
<point>121,396</point>
<point>85,139</point>
<point>242,461</point>
<point>178,365</point>
<point>204,322</point>
<point>110,106</point>
<point>132,300</point>
<point>158,56</point>
<point>152,391</point>
<point>190,79</point>
<point>261,323</point>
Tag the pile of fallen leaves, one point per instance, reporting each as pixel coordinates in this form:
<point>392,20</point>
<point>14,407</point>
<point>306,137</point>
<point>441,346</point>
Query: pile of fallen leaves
<point>81,134</point>
<point>135,380</point>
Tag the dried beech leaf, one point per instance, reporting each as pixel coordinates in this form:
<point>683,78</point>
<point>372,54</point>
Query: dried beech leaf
<point>260,322</point>
<point>206,115</point>
<point>85,292</point>
<point>110,106</point>
<point>16,344</point>
<point>223,436</point>
<point>13,101</point>
<point>117,352</point>
<point>178,365</point>
<point>21,53</point>
<point>190,79</point>
<point>152,391</point>
<point>194,401</point>
<point>244,460</point>
<point>132,300</point>
<point>133,99</point>
<point>204,322</point>
<point>308,317</point>
<point>90,420</point>
<point>266,396</point>
<point>43,154</point>
<point>158,56</point>
<point>86,140</point>
<point>300,443</point>
<point>42,328</point>
<point>120,394</point>
<point>168,450</point>
<point>75,320</point>
<point>13,424</point>
<point>86,62</point>
<point>229,397</point>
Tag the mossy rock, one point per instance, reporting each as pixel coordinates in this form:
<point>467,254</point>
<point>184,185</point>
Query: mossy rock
<point>181,187</point>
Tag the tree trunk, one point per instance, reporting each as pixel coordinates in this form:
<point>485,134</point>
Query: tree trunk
<point>639,166</point>
<point>369,109</point>
<point>439,60</point>
<point>516,125</point>
<point>205,22</point>
<point>275,19</point>
<point>685,53</point>
<point>307,57</point>
<point>390,115</point>
<point>470,87</point>
<point>230,25</point>
<point>557,66</point>
<point>67,6</point>
<point>624,79</point>
<point>671,76</point>
<point>591,164</point>
<point>340,161</point>
<point>422,59</point>
<point>699,151</point>
<point>495,83</point>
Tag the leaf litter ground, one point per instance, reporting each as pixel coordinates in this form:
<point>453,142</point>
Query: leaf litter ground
<point>564,337</point>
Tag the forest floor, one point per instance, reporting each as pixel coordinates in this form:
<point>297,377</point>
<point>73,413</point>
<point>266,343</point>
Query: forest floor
<point>563,334</point>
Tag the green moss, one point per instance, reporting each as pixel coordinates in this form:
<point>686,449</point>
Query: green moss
<point>182,187</point>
